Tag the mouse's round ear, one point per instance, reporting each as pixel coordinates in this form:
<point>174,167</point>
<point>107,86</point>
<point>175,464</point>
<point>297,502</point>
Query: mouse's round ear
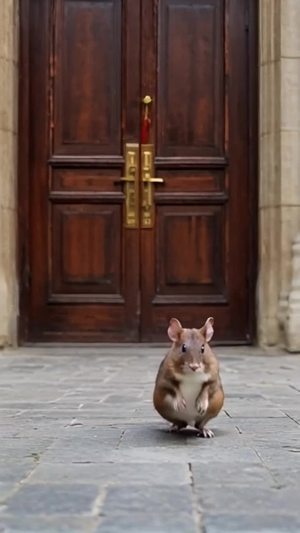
<point>174,329</point>
<point>207,330</point>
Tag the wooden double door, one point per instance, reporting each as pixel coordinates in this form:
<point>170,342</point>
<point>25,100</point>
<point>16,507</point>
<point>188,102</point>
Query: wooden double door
<point>103,258</point>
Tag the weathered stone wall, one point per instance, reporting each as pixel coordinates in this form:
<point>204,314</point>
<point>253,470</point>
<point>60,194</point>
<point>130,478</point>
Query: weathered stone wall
<point>8,168</point>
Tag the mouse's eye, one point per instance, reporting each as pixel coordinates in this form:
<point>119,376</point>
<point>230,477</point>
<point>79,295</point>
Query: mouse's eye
<point>202,348</point>
<point>183,348</point>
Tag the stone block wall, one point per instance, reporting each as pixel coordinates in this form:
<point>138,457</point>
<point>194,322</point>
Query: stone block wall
<point>8,168</point>
<point>279,141</point>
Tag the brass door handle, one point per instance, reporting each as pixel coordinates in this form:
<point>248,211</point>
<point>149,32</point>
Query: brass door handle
<point>131,186</point>
<point>153,180</point>
<point>130,169</point>
<point>126,180</point>
<point>148,208</point>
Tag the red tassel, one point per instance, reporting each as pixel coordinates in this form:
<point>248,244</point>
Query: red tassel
<point>145,130</point>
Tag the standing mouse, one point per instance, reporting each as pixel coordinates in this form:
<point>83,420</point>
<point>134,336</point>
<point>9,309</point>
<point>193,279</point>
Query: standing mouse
<point>188,388</point>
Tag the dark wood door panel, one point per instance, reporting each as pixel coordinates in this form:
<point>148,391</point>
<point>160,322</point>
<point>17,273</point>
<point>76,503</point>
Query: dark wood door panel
<point>91,323</point>
<point>79,182</point>
<point>190,245</point>
<point>193,182</point>
<point>190,85</point>
<point>84,265</point>
<point>86,252</point>
<point>87,81</point>
<point>227,330</point>
<point>197,260</point>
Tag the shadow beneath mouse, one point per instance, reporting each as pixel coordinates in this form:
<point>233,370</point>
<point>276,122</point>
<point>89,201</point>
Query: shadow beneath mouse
<point>187,433</point>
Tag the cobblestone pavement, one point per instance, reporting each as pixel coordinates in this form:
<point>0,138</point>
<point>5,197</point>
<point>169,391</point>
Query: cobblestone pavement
<point>82,449</point>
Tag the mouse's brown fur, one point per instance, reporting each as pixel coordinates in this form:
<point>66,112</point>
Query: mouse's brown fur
<point>188,388</point>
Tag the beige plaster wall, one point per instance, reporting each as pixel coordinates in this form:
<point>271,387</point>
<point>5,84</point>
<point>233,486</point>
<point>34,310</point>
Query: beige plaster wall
<point>8,168</point>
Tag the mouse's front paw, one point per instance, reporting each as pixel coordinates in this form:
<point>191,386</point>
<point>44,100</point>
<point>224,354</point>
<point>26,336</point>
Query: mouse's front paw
<point>179,404</point>
<point>202,405</point>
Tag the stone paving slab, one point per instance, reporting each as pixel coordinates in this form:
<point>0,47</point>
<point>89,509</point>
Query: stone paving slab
<point>148,509</point>
<point>125,474</point>
<point>252,523</point>
<point>48,524</point>
<point>82,449</point>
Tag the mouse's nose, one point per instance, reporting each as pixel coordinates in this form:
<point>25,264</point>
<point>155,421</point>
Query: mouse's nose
<point>194,366</point>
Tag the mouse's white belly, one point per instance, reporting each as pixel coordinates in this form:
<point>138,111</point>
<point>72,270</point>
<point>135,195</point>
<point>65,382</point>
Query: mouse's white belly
<point>190,388</point>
